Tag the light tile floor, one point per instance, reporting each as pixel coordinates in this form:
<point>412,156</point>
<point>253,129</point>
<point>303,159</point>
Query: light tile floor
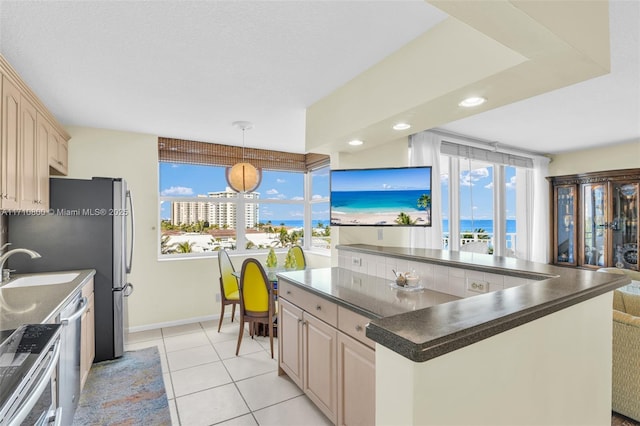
<point>208,385</point>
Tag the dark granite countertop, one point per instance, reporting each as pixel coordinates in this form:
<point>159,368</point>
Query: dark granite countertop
<point>370,296</point>
<point>38,303</point>
<point>435,329</point>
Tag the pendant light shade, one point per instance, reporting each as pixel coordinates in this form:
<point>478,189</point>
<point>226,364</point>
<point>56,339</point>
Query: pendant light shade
<point>243,176</point>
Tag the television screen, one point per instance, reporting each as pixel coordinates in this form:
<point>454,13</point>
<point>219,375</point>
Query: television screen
<point>381,197</point>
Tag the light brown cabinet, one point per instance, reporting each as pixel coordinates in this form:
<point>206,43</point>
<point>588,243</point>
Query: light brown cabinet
<point>310,357</point>
<point>357,382</point>
<point>10,161</point>
<point>87,338</point>
<point>327,355</point>
<point>58,154</point>
<point>27,131</point>
<point>595,219</point>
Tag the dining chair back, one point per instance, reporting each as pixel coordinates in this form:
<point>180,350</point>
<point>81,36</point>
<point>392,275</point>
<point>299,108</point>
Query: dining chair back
<point>229,290</point>
<point>257,305</point>
<point>298,254</point>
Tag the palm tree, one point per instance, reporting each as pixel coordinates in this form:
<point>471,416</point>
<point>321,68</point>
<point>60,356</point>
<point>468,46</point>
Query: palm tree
<point>424,201</point>
<point>283,237</point>
<point>165,248</point>
<point>184,247</point>
<point>404,219</point>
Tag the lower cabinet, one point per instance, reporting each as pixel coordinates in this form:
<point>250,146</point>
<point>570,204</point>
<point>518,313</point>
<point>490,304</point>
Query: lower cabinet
<point>357,382</point>
<point>336,371</point>
<point>87,338</point>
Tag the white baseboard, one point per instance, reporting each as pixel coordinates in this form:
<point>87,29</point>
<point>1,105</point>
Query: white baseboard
<point>174,323</point>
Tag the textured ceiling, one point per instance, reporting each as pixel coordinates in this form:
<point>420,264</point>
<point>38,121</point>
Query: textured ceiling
<point>189,69</point>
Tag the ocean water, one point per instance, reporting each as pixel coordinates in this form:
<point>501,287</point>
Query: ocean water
<point>465,225</point>
<point>487,225</point>
<point>376,201</point>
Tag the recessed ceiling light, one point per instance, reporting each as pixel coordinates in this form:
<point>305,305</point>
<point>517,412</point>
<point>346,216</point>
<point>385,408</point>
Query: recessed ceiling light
<point>472,101</point>
<point>401,126</point>
<point>355,142</point>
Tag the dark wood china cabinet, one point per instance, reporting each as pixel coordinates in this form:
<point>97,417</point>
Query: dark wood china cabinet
<point>594,219</point>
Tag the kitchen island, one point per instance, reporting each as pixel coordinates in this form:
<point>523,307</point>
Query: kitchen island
<point>538,353</point>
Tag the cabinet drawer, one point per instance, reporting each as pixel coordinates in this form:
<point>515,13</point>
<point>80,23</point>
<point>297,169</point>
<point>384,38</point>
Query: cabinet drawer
<point>317,306</point>
<point>354,325</point>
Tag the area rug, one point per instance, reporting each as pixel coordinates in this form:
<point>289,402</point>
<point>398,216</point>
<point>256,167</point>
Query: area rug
<point>125,391</point>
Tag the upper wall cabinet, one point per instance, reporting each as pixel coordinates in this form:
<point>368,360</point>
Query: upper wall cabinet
<point>595,219</point>
<point>27,131</point>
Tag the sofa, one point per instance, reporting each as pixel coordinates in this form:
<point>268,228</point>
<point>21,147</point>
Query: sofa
<point>625,397</point>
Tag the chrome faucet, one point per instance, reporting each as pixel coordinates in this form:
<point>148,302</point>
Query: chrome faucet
<point>6,275</point>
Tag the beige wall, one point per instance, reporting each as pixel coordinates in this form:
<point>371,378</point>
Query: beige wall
<point>610,157</point>
<point>391,154</point>
<point>506,379</point>
<point>166,292</point>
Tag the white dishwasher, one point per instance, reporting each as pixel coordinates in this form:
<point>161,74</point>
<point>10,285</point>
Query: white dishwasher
<point>69,366</point>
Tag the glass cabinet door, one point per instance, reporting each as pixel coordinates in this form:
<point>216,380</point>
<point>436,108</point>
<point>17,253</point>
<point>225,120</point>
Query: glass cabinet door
<point>594,225</point>
<point>565,220</point>
<point>624,224</point>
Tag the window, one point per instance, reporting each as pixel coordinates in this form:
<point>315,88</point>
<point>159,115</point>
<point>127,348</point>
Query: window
<point>480,194</point>
<point>200,214</point>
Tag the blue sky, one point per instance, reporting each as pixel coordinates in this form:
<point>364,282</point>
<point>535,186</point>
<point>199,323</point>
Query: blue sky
<point>476,193</point>
<point>184,180</point>
<point>381,179</point>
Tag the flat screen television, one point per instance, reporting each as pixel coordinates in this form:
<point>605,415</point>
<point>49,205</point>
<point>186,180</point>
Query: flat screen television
<point>399,196</point>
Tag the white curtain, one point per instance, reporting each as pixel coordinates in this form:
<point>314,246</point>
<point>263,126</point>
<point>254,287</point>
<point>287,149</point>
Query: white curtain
<point>539,241</point>
<point>425,151</point>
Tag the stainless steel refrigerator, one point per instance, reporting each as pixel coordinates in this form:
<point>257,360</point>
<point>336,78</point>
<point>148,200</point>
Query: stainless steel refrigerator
<point>89,226</point>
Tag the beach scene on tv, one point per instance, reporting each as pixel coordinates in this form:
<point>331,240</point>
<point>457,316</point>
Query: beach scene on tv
<point>381,197</point>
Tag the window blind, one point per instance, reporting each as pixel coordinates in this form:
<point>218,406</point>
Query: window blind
<point>487,155</point>
<point>212,154</point>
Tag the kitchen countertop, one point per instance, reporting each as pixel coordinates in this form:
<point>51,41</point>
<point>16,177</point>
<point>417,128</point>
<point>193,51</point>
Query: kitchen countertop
<point>367,295</point>
<point>39,303</point>
<point>422,326</point>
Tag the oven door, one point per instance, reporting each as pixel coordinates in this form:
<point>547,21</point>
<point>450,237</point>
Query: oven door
<point>35,402</point>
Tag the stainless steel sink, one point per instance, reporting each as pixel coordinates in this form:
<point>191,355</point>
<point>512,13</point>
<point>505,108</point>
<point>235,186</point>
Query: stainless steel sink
<point>42,279</point>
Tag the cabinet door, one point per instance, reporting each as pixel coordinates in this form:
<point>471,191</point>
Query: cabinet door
<point>564,225</point>
<point>290,340</point>
<point>356,382</point>
<point>624,224</point>
<point>594,250</point>
<point>42,168</point>
<point>28,171</point>
<point>9,164</point>
<point>88,345</point>
<point>58,153</point>
<point>320,365</point>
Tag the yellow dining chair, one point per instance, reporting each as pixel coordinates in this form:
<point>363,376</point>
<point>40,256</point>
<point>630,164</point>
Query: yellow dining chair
<point>229,292</point>
<point>297,252</point>
<point>257,305</point>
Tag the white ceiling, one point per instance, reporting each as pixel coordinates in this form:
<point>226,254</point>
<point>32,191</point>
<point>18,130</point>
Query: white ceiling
<point>189,69</point>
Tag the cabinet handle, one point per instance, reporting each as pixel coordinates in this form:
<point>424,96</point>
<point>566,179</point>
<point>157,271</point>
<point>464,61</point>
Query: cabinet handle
<point>299,320</point>
<point>359,327</point>
<point>318,308</point>
<point>288,291</point>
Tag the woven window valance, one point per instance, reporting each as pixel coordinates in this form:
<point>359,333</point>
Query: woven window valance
<point>212,154</point>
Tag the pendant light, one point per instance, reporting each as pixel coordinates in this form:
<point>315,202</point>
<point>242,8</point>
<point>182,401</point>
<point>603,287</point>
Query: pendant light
<point>243,176</point>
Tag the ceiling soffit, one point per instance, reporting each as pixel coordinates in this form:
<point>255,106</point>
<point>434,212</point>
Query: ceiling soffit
<point>503,50</point>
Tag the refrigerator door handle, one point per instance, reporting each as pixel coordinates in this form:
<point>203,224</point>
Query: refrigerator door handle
<point>133,235</point>
<point>128,290</point>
